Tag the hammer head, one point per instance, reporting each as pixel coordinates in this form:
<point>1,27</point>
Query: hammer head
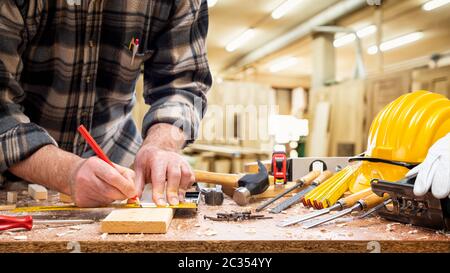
<point>251,184</point>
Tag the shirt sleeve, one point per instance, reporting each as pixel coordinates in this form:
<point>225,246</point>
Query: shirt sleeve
<point>19,138</point>
<point>177,76</point>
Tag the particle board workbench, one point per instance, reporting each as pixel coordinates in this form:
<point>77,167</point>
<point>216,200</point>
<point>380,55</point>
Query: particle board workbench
<point>189,233</point>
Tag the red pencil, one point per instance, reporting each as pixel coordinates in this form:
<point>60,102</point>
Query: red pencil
<point>98,151</point>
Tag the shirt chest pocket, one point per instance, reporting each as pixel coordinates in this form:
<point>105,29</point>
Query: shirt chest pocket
<point>130,63</point>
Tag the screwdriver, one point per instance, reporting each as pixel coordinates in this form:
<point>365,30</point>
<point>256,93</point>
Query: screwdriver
<point>300,183</point>
<point>26,222</point>
<point>99,152</point>
<point>340,205</point>
<point>368,202</point>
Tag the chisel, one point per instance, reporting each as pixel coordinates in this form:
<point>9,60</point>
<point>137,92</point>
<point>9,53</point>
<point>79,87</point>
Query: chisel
<point>363,204</point>
<point>340,205</point>
<point>305,180</point>
<point>298,196</point>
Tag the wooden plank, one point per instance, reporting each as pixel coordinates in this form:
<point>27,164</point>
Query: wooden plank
<point>64,198</point>
<point>7,207</point>
<point>37,192</point>
<point>11,197</point>
<point>141,220</point>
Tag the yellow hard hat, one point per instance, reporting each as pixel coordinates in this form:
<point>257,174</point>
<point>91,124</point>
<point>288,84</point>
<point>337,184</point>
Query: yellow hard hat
<point>399,139</point>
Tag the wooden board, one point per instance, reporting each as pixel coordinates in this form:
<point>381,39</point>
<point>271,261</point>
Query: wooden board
<point>11,197</point>
<point>141,220</point>
<point>37,192</point>
<point>64,198</point>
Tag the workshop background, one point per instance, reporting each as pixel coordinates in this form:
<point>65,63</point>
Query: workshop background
<point>281,80</point>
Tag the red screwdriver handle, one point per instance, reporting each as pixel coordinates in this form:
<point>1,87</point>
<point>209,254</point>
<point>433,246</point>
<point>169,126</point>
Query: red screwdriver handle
<point>10,222</point>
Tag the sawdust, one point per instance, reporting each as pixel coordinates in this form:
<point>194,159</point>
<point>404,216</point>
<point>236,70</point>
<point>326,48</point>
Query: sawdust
<point>413,231</point>
<point>341,225</point>
<point>197,225</point>
<point>103,236</point>
<point>284,212</point>
<point>20,238</point>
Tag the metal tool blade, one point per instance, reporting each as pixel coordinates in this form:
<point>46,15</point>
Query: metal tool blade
<point>299,219</point>
<point>264,205</point>
<point>332,217</point>
<point>291,201</point>
<point>374,209</point>
<point>60,222</point>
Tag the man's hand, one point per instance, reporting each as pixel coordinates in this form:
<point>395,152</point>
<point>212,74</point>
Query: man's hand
<point>95,183</point>
<point>91,182</point>
<point>159,161</point>
<point>434,172</point>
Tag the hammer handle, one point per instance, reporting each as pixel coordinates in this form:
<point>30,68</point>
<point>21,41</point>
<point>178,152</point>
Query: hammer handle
<point>224,179</point>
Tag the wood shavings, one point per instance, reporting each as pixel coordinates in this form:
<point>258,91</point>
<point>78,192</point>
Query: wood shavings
<point>284,212</point>
<point>350,234</point>
<point>103,236</point>
<point>64,233</point>
<point>20,238</point>
<point>341,225</point>
<point>197,225</point>
<point>75,227</point>
<point>210,232</point>
<point>389,227</point>
<point>413,231</point>
<point>250,230</point>
<point>323,230</point>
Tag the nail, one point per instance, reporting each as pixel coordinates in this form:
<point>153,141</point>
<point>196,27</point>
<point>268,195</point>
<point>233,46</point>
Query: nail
<point>161,202</point>
<point>174,201</point>
<point>181,197</point>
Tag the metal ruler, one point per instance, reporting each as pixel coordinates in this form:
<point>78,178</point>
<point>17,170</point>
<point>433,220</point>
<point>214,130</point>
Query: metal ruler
<point>191,202</point>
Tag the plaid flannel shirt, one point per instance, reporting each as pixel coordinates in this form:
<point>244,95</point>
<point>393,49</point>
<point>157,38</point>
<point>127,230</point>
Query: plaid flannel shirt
<point>67,62</point>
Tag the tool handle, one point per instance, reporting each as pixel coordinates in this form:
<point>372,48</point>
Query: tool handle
<point>224,179</point>
<point>353,198</point>
<point>90,140</point>
<point>322,177</point>
<point>372,200</point>
<point>309,177</point>
<point>11,222</point>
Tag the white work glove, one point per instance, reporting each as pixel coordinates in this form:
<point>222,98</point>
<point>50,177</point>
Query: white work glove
<point>434,171</point>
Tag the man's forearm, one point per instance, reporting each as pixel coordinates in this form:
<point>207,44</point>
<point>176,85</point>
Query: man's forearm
<point>49,166</point>
<point>165,136</point>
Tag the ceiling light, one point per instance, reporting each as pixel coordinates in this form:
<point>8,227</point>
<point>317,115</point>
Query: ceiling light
<point>212,3</point>
<point>366,31</point>
<point>348,38</point>
<point>397,42</point>
<point>240,40</point>
<point>284,8</point>
<point>434,4</point>
<point>282,63</point>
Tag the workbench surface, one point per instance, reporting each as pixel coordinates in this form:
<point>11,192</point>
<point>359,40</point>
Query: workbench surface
<point>191,233</point>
